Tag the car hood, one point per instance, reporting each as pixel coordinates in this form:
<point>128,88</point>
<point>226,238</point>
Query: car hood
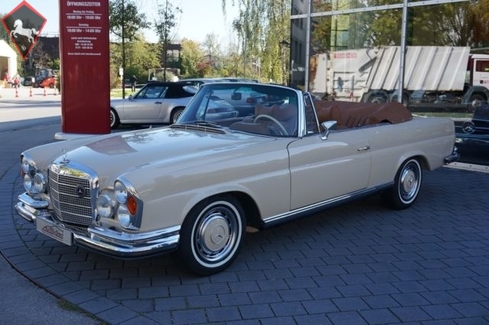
<point>118,102</point>
<point>119,154</point>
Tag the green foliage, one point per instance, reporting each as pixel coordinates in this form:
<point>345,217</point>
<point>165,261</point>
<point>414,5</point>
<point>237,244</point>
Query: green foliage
<point>191,56</point>
<point>166,21</point>
<point>127,19</point>
<point>58,81</point>
<point>450,24</point>
<point>55,64</point>
<point>261,26</point>
<point>3,32</point>
<point>164,26</point>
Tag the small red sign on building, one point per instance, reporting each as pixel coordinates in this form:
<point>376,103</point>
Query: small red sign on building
<point>24,24</point>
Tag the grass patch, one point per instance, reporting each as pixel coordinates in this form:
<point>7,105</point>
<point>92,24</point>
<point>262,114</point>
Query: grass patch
<point>116,93</point>
<point>66,305</point>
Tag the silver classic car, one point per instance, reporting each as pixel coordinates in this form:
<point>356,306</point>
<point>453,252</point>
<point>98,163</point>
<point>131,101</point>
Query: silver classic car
<point>196,186</point>
<point>157,102</point>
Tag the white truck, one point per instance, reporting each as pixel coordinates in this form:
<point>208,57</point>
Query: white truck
<point>433,75</point>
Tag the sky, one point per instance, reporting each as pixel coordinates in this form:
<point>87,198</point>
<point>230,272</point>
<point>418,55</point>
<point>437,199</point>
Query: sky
<point>198,18</point>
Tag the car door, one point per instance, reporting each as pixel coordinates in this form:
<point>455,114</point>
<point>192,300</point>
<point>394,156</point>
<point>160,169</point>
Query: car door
<point>324,169</point>
<point>146,104</point>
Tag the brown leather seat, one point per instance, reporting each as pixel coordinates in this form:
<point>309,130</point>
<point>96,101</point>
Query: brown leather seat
<point>286,114</point>
<point>351,114</point>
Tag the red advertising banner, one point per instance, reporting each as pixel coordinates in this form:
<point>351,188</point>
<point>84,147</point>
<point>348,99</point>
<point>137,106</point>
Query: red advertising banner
<point>85,81</point>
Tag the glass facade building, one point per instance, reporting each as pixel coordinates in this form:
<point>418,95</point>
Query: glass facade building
<point>426,54</point>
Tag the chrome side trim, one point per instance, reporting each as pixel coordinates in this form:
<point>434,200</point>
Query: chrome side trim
<point>284,217</point>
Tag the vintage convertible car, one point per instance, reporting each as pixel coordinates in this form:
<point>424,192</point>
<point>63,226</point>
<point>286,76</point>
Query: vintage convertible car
<point>197,185</point>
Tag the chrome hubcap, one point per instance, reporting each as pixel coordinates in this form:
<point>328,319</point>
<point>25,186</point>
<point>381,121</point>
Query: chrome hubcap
<point>409,183</point>
<point>214,233</point>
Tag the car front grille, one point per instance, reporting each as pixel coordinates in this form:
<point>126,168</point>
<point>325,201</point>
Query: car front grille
<point>73,193</point>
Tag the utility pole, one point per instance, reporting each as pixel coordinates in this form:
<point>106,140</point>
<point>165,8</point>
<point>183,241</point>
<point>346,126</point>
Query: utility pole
<point>123,51</point>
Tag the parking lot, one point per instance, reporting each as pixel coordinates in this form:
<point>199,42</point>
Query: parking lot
<point>357,264</point>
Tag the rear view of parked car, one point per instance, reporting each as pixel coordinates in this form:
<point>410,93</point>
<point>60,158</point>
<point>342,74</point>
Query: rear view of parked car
<point>156,103</point>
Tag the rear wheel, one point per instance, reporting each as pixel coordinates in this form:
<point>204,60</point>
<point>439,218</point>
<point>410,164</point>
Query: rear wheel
<point>175,115</point>
<point>114,119</point>
<point>406,185</point>
<point>477,97</point>
<point>212,234</point>
<point>377,97</point>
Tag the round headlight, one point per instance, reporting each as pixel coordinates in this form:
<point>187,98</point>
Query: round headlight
<point>27,182</point>
<point>26,166</point>
<point>123,216</point>
<point>120,192</point>
<point>104,206</point>
<point>38,183</point>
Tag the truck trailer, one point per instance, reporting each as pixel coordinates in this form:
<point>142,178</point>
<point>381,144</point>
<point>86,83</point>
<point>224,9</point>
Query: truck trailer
<point>433,75</point>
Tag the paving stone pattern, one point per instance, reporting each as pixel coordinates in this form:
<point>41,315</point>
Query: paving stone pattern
<point>356,264</point>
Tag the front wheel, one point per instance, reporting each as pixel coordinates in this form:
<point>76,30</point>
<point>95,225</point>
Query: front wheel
<point>114,119</point>
<point>212,234</point>
<point>406,185</point>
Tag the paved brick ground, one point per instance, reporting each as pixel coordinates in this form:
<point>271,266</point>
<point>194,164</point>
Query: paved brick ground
<point>356,264</point>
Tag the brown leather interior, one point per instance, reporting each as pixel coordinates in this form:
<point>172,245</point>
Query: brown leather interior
<point>286,114</point>
<point>352,114</point>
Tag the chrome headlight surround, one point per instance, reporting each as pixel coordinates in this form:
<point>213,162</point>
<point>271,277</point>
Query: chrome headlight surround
<point>33,179</point>
<point>122,204</point>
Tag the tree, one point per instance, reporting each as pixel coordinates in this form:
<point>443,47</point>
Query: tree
<point>212,53</point>
<point>164,26</point>
<point>191,57</point>
<point>3,32</point>
<point>262,25</point>
<point>450,24</point>
<point>480,16</point>
<point>125,19</point>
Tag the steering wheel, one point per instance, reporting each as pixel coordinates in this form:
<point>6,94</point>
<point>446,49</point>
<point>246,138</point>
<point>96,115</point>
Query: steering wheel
<point>274,120</point>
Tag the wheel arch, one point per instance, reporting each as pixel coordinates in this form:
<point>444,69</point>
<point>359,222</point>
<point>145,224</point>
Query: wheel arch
<point>174,110</point>
<point>420,157</point>
<point>250,208</point>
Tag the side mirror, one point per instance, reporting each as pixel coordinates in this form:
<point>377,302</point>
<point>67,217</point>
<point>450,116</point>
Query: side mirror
<point>328,126</point>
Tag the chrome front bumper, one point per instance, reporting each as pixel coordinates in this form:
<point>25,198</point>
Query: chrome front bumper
<point>103,241</point>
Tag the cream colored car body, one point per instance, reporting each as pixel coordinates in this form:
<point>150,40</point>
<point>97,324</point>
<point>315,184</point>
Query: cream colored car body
<point>173,169</point>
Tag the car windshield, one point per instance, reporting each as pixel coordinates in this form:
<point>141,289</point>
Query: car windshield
<point>261,109</point>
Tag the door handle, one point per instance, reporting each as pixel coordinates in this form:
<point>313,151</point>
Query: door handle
<point>364,148</point>
<point>157,102</point>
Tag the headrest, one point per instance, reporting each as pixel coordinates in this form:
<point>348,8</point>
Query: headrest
<point>285,112</point>
<point>281,113</point>
<point>260,109</point>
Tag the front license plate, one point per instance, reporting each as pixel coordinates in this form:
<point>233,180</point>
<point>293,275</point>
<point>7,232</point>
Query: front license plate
<point>50,229</point>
